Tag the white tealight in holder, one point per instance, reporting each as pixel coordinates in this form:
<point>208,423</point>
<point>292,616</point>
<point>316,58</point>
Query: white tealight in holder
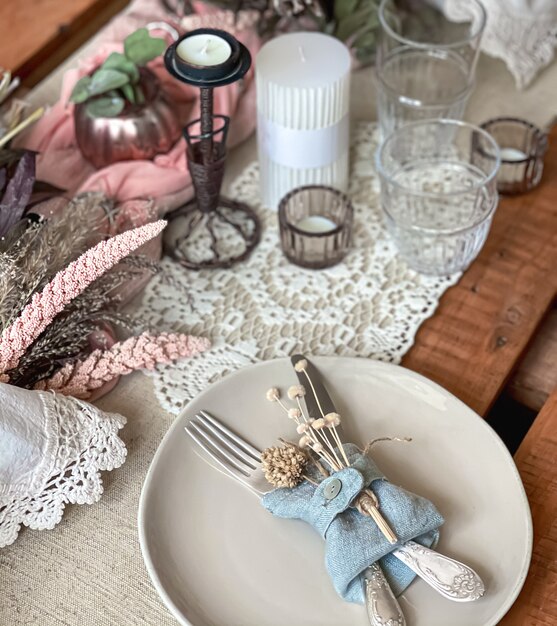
<point>303,90</point>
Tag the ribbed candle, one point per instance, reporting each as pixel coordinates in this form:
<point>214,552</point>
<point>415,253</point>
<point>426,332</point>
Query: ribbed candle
<point>303,89</point>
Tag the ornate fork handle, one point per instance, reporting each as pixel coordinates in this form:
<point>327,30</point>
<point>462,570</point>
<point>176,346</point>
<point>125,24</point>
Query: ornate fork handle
<point>383,608</point>
<point>450,578</point>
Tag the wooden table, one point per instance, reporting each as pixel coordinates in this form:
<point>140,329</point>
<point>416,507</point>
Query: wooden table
<point>477,337</point>
<point>537,462</point>
<point>37,35</point>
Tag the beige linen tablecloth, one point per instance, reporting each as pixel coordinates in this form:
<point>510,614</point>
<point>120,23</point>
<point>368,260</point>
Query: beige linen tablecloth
<point>88,571</point>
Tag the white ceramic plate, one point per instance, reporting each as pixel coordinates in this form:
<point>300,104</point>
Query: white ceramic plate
<point>218,558</point>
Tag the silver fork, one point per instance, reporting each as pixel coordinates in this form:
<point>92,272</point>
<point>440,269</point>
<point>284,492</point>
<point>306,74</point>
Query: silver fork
<point>243,462</point>
<point>233,454</point>
<point>452,579</point>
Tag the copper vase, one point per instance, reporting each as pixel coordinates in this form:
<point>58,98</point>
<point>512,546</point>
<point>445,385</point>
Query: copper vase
<point>140,132</point>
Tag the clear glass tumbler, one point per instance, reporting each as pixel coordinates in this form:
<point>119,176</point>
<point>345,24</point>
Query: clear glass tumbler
<point>426,61</point>
<point>438,193</point>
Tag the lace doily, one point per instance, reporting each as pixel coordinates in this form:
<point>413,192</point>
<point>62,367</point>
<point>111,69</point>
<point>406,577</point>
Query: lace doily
<point>523,33</point>
<point>370,305</point>
<point>77,441</point>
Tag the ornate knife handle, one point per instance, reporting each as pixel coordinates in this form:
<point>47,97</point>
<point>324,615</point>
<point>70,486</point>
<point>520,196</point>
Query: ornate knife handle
<point>450,578</point>
<point>383,608</point>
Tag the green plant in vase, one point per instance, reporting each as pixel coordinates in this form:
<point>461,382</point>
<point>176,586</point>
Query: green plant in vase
<point>118,80</point>
<point>121,112</point>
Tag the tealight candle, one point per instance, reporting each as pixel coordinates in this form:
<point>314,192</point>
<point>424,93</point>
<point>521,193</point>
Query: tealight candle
<point>316,224</point>
<point>512,154</point>
<point>204,50</point>
<point>522,151</point>
<point>303,90</point>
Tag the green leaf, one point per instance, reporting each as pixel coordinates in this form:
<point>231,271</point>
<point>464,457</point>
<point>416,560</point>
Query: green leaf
<point>343,8</point>
<point>140,47</point>
<point>139,96</point>
<point>80,92</point>
<point>105,107</point>
<point>105,80</point>
<point>353,23</point>
<point>365,40</point>
<point>117,61</point>
<point>139,35</point>
<point>129,93</point>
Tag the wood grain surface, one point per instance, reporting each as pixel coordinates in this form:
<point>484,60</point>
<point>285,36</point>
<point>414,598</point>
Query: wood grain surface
<point>536,460</point>
<point>37,35</point>
<point>536,375</point>
<point>484,323</point>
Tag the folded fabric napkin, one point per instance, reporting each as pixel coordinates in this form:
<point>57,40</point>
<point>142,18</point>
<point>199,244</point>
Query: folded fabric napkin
<point>52,450</point>
<point>352,540</point>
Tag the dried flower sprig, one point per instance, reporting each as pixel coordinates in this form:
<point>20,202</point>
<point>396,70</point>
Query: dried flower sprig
<point>68,336</point>
<point>312,434</point>
<point>332,420</point>
<point>284,465</point>
<point>82,378</point>
<point>31,258</point>
<point>64,287</point>
<point>321,437</point>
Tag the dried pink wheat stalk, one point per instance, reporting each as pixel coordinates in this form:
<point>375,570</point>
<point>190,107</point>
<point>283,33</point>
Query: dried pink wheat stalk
<point>64,287</point>
<point>80,379</point>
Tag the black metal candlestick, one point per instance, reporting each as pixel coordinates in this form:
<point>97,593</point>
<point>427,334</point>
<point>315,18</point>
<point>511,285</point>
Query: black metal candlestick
<point>215,231</point>
<point>206,101</point>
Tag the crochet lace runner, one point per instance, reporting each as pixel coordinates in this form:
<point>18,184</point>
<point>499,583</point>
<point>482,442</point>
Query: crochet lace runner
<point>370,305</point>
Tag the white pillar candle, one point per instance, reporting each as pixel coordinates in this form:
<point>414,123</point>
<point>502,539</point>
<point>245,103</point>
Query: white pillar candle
<point>316,224</point>
<point>204,50</point>
<point>303,89</point>
<point>512,154</point>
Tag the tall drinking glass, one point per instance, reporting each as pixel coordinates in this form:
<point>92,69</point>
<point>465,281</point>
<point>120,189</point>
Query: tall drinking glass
<point>438,192</point>
<point>426,61</point>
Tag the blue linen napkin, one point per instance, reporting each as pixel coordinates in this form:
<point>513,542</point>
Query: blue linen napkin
<point>352,540</point>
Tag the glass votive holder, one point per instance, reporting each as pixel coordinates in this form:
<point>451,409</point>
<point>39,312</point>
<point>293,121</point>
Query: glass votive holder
<point>437,199</point>
<point>315,224</point>
<point>522,146</point>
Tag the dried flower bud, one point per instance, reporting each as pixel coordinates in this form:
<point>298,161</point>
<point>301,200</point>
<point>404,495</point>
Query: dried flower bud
<point>317,447</point>
<point>294,414</point>
<point>283,466</point>
<point>301,365</point>
<point>332,419</point>
<point>302,428</point>
<point>296,391</point>
<point>318,424</point>
<point>273,394</point>
<point>304,441</point>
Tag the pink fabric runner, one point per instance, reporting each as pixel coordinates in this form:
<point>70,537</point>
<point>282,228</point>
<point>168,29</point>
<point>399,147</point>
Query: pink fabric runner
<point>165,179</point>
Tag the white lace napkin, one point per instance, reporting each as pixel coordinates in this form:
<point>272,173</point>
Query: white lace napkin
<point>52,449</point>
<point>370,305</point>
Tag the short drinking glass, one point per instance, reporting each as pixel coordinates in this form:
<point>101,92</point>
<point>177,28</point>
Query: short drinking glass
<point>438,194</point>
<point>425,70</point>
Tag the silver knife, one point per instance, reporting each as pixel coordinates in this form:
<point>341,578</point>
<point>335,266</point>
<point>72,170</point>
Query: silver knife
<point>452,579</point>
<point>382,606</point>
